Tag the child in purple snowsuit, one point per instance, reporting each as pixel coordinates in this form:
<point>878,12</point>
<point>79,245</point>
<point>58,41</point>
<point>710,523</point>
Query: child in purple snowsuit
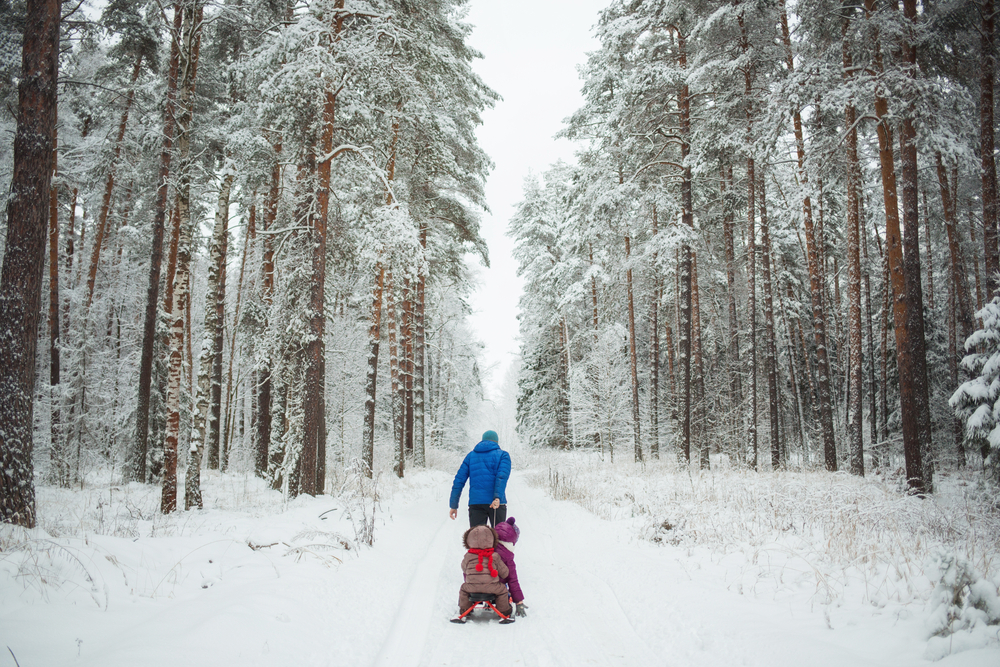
<point>508,534</point>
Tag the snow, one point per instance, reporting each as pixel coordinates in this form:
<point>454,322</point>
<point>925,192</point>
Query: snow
<point>608,579</point>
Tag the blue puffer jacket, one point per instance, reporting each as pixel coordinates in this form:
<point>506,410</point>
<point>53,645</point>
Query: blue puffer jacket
<point>487,468</point>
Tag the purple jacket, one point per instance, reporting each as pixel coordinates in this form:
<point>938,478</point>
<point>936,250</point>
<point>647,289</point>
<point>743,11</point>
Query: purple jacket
<point>507,556</point>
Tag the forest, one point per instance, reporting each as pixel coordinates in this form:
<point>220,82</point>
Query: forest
<point>779,245</point>
<point>242,203</point>
<point>754,418</point>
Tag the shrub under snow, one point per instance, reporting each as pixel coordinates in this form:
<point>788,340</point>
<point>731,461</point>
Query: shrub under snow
<point>848,537</point>
<point>965,607</point>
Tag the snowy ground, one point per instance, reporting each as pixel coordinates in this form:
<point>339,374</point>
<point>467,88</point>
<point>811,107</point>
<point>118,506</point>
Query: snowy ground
<point>253,581</point>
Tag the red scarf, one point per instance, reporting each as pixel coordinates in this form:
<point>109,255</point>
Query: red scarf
<point>488,553</point>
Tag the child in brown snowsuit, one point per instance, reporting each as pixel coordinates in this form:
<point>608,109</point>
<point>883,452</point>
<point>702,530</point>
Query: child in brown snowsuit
<point>483,568</point>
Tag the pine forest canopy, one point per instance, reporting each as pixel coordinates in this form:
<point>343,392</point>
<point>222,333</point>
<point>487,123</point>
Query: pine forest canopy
<point>245,201</point>
<point>779,235</point>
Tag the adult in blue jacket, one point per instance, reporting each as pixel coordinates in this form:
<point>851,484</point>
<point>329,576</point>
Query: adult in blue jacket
<point>486,468</point>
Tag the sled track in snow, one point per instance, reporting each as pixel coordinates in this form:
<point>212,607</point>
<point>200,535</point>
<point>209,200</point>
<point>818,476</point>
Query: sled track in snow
<point>575,617</point>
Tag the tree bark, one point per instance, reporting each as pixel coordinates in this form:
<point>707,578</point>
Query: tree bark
<point>397,395</point>
<point>987,64</point>
<point>181,289</point>
<point>409,297</point>
<point>135,468</point>
<point>250,238</point>
<point>872,391</point>
<point>632,357</point>
<point>751,243</point>
<point>735,368</point>
<point>211,348</point>
<point>699,369</point>
<point>374,337</point>
<point>102,220</point>
<point>770,351</point>
<point>654,352</point>
<point>685,329</point>
<point>813,252</point>
<point>419,453</point>
<point>855,434</point>
<point>917,453</point>
<point>218,340</point>
<point>262,393</point>
<point>963,302</point>
<point>59,468</point>
<point>24,256</point>
<point>594,379</point>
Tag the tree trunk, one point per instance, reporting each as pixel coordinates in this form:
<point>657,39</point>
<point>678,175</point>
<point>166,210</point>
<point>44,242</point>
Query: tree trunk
<point>687,221</point>
<point>262,394</point>
<point>792,376</point>
<point>751,242</point>
<point>770,352</point>
<point>872,404</point>
<point>918,452</point>
<point>898,281</point>
<point>963,305</point>
<point>24,256</point>
<point>397,395</point>
<point>562,390</point>
<point>594,379</point>
<point>181,289</point>
<point>59,469</point>
<point>102,220</point>
<point>374,337</point>
<point>699,369</point>
<point>407,379</point>
<point>987,64</point>
<point>135,468</point>
<point>752,302</point>
<point>419,453</point>
<point>930,256</point>
<point>975,258</point>
<point>249,239</point>
<point>211,345</point>
<point>855,434</point>
<point>884,349</point>
<point>654,353</point>
<point>218,341</point>
<point>735,368</point>
<point>813,252</point>
<point>633,359</point>
<point>957,426</point>
<point>404,444</point>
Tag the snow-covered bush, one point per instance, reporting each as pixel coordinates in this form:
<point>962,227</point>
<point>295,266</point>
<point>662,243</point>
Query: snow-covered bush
<point>977,401</point>
<point>965,607</point>
<point>838,534</point>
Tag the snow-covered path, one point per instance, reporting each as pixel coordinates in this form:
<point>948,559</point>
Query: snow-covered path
<point>574,617</point>
<point>597,595</point>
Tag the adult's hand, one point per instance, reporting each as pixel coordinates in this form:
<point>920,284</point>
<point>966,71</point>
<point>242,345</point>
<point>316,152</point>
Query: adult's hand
<point>495,504</point>
<point>453,513</point>
<point>522,609</point>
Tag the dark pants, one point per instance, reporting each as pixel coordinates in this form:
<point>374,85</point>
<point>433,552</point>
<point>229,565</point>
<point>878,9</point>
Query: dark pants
<point>502,602</point>
<point>480,514</point>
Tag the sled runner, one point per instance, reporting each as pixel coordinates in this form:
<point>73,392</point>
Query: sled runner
<point>486,601</point>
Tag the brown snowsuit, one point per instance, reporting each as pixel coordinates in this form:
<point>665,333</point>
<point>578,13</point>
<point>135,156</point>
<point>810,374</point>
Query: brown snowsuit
<point>483,569</point>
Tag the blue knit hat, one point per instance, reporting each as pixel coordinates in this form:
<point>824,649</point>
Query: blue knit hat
<point>491,435</point>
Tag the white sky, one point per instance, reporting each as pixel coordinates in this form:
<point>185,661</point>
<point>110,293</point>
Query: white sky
<point>531,50</point>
